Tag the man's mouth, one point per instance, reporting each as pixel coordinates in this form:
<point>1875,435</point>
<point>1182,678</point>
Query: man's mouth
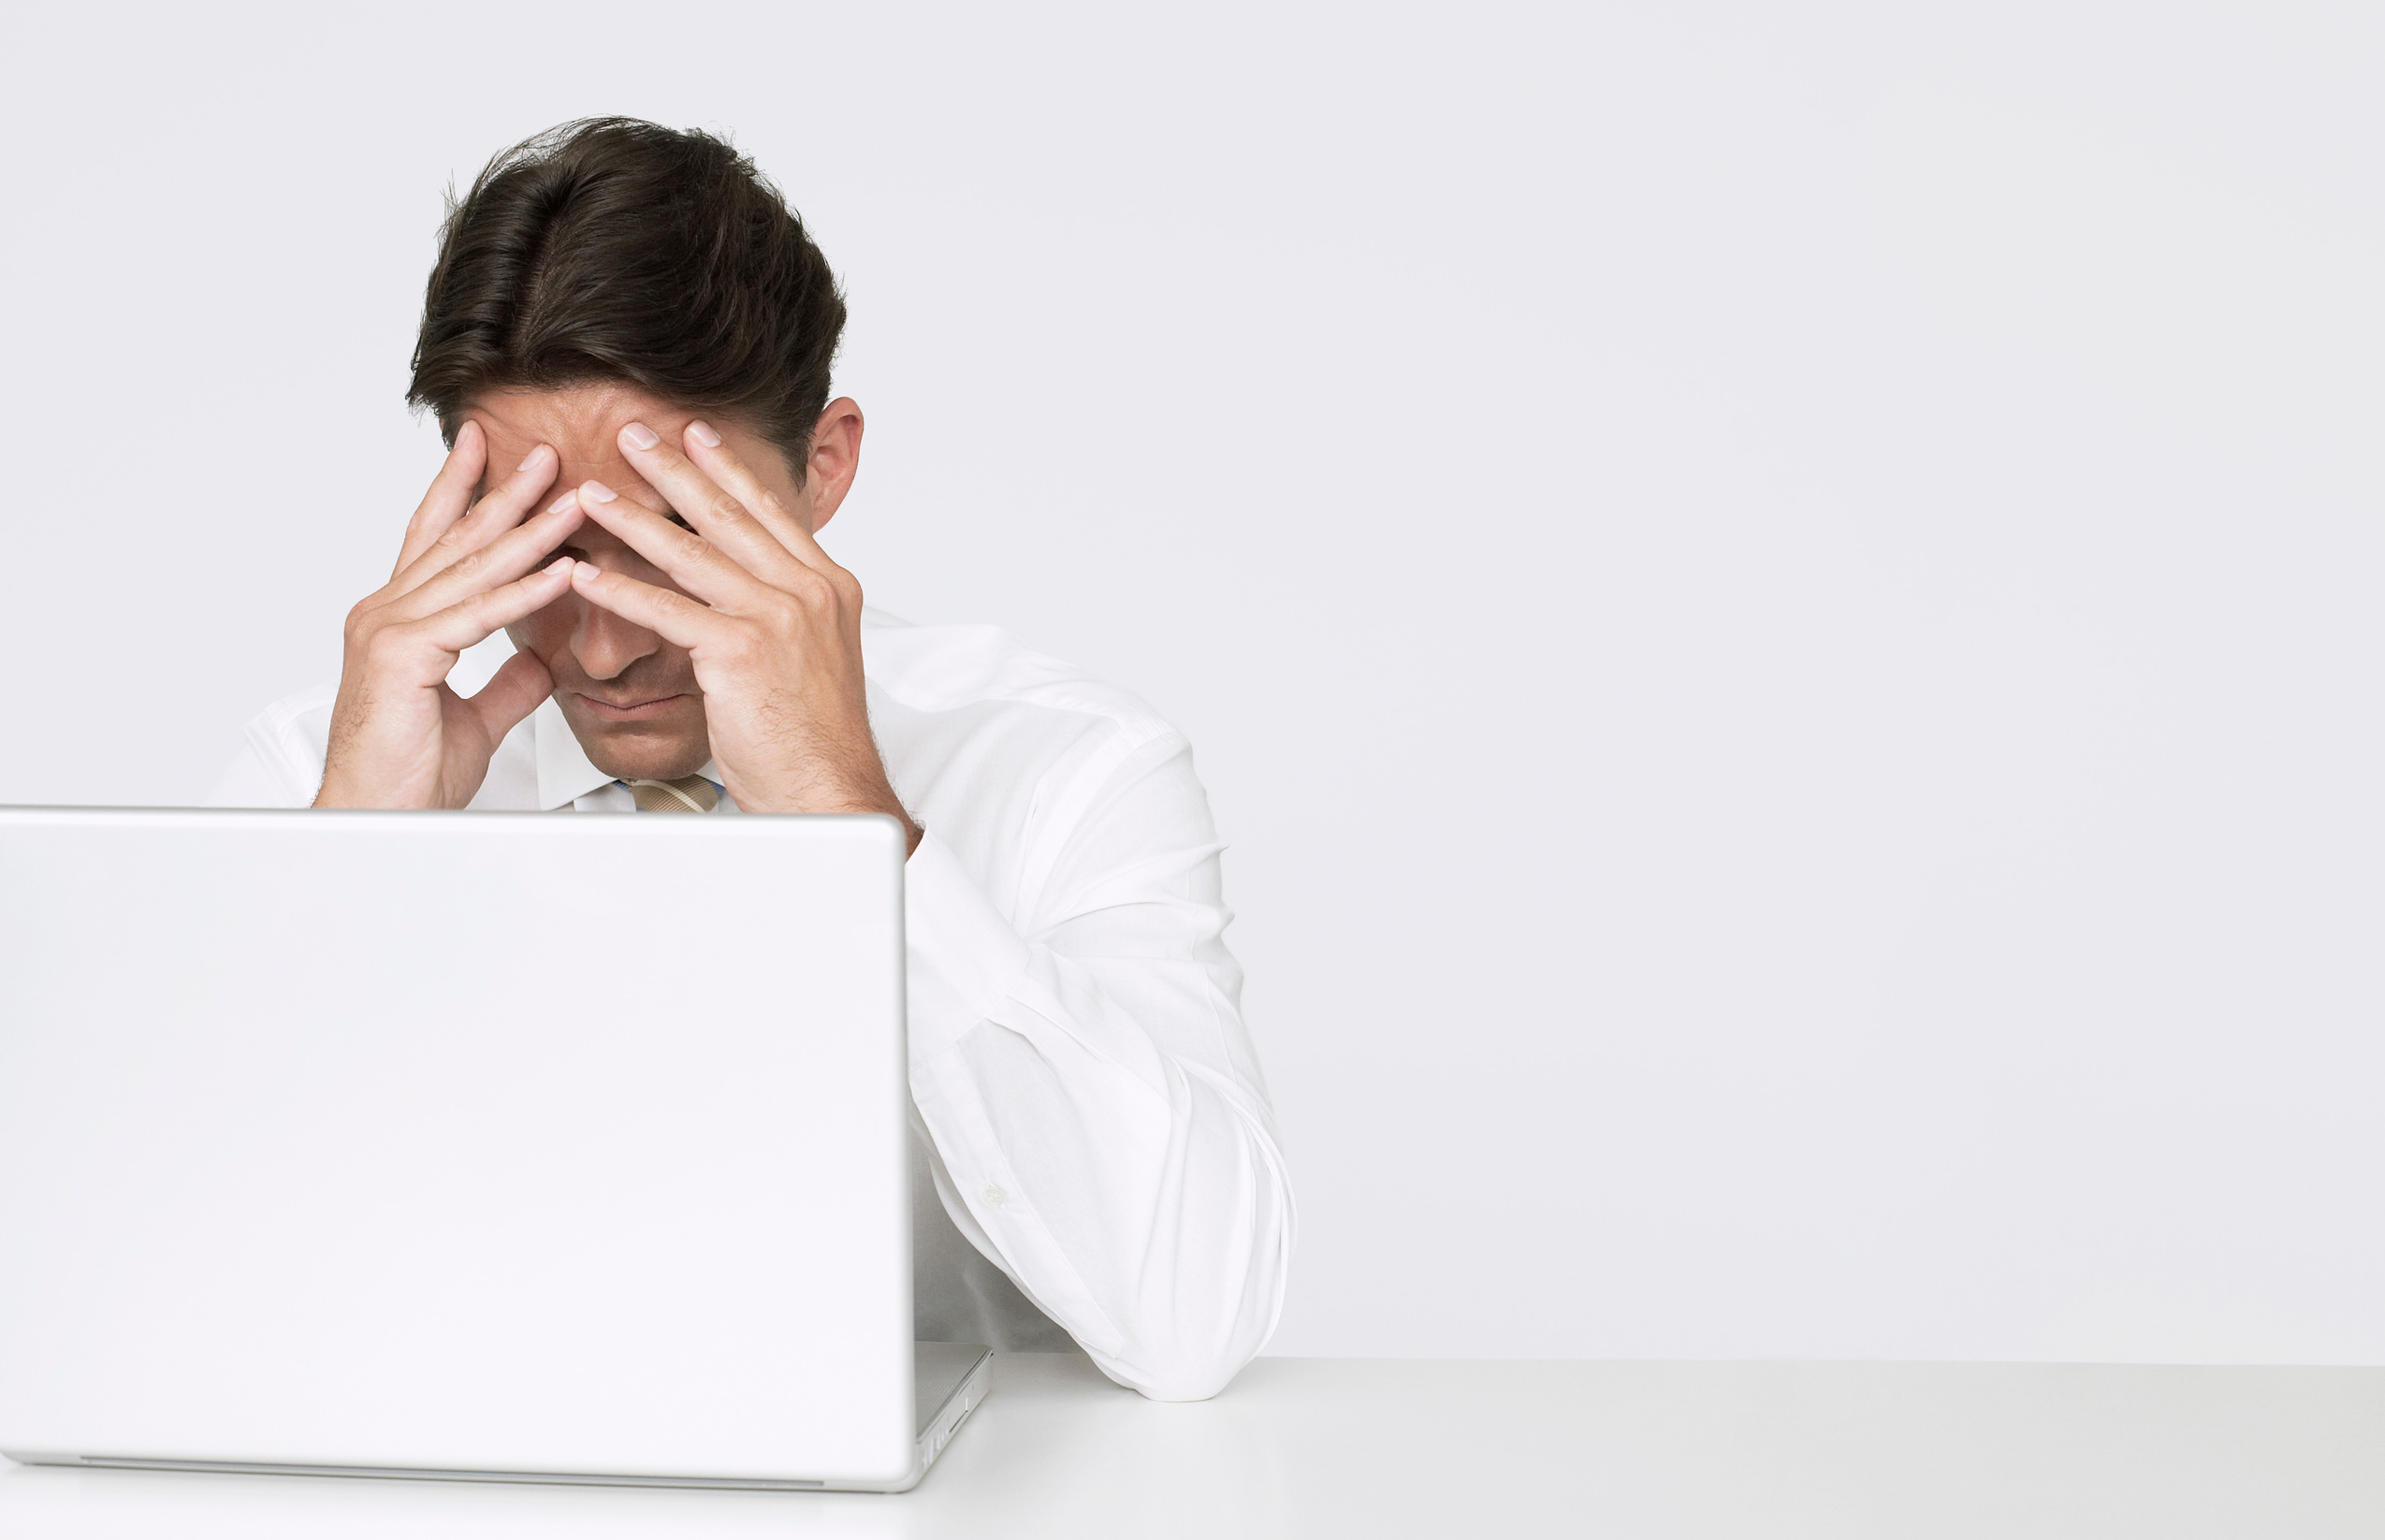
<point>627,711</point>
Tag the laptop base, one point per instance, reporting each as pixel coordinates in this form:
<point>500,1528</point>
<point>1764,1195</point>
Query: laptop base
<point>951,1379</point>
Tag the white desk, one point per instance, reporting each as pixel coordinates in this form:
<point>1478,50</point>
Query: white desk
<point>1372,1448</point>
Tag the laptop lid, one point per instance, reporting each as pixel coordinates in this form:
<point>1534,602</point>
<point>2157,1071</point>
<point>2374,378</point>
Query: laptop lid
<point>467,1142</point>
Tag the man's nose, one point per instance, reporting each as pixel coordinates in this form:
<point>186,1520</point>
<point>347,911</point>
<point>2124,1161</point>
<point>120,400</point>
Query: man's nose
<point>605,644</point>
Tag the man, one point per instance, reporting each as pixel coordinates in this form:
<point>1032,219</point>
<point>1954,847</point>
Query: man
<point>626,340</point>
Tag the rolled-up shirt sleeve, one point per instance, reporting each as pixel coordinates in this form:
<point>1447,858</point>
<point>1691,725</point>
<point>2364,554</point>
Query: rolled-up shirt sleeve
<point>1079,1057</point>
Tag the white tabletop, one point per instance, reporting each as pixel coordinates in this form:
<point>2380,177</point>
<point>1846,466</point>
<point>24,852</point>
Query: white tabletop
<point>1381,1448</point>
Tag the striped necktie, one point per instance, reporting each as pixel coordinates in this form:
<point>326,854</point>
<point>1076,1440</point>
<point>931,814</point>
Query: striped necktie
<point>688,794</point>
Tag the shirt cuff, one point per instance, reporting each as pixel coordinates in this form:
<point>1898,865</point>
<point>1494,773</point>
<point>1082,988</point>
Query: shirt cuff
<point>964,957</point>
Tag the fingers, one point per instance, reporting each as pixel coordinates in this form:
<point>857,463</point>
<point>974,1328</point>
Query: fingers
<point>674,616</point>
<point>474,618</point>
<point>481,570</point>
<point>488,519</point>
<point>722,512</point>
<point>720,463</point>
<point>685,555</point>
<point>449,496</point>
<point>511,695</point>
<point>716,460</point>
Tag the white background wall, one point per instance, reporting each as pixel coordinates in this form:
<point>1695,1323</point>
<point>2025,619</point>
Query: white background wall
<point>1779,602</point>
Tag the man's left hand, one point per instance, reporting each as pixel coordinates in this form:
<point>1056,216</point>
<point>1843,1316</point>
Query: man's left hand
<point>772,625</point>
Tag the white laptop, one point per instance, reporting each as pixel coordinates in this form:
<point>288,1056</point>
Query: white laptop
<point>479,1145</point>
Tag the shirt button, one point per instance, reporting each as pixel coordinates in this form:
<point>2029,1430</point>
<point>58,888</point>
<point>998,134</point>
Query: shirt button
<point>995,1196</point>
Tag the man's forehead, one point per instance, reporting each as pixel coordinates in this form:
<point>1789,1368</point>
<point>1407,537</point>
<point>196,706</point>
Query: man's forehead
<point>582,422</point>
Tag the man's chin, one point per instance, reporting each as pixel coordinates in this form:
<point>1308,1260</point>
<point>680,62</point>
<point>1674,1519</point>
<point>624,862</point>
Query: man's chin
<point>664,749</point>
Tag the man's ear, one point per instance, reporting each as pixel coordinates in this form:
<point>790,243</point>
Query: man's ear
<point>834,460</point>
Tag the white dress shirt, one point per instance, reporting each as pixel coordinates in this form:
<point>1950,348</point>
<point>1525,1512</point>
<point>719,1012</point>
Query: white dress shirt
<point>1095,1123</point>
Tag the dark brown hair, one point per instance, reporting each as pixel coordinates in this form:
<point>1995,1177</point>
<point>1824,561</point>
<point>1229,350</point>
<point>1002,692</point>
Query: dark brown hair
<point>615,250</point>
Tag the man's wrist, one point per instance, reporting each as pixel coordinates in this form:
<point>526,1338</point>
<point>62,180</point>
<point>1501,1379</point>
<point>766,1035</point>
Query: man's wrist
<point>889,806</point>
<point>848,799</point>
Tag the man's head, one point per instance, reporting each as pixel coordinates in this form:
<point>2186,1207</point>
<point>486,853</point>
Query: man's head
<point>609,272</point>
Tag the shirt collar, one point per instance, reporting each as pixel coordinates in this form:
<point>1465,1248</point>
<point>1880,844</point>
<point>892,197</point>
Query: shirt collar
<point>564,773</point>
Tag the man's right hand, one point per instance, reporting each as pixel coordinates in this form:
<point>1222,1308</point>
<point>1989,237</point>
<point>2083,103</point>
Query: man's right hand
<point>399,737</point>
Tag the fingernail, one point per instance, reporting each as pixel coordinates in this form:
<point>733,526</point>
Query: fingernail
<point>702,434</point>
<point>585,572</point>
<point>562,502</point>
<point>560,565</point>
<point>529,457</point>
<point>640,436</point>
<point>597,491</point>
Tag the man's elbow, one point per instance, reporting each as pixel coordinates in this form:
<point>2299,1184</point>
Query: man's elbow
<point>1213,1296</point>
<point>1179,1373</point>
<point>1192,1355</point>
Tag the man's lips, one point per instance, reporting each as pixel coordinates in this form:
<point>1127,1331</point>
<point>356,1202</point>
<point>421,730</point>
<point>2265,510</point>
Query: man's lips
<point>627,711</point>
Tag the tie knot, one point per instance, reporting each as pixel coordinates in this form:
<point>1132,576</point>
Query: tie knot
<point>687,795</point>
